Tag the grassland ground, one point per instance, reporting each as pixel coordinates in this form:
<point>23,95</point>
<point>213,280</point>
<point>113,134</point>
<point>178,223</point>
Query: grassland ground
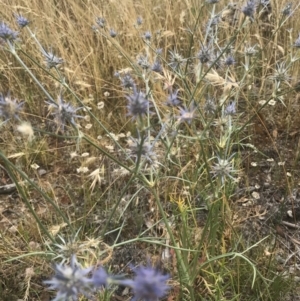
<point>152,131</point>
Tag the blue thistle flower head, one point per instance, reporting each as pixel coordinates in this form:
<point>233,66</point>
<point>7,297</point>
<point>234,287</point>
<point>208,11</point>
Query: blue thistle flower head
<point>100,278</point>
<point>6,33</point>
<point>52,61</point>
<point>138,104</point>
<point>187,114</point>
<point>149,284</point>
<point>287,10</point>
<point>205,54</point>
<point>176,60</point>
<point>297,42</point>
<point>101,22</point>
<point>229,61</point>
<point>139,20</point>
<point>249,9</point>
<point>231,108</point>
<point>143,62</point>
<point>147,35</point>
<point>157,67</point>
<point>22,21</point>
<point>112,33</point>
<point>142,148</point>
<point>63,112</point>
<point>70,280</point>
<point>173,99</point>
<point>127,81</point>
<point>210,106</point>
<point>224,169</point>
<point>159,51</point>
<point>9,108</point>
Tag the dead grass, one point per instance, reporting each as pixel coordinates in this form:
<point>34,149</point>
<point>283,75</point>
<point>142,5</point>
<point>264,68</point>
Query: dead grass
<point>91,59</point>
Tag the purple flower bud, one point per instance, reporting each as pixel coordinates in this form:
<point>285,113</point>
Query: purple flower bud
<point>112,33</point>
<point>139,21</point>
<point>147,35</point>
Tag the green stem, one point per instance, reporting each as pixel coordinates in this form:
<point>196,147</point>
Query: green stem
<point>177,250</point>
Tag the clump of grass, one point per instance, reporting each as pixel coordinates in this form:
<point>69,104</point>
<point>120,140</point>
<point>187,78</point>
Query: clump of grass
<point>141,123</point>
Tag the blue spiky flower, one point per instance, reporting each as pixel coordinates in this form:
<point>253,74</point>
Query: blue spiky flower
<point>149,284</point>
<point>52,61</point>
<point>229,61</point>
<point>127,81</point>
<point>287,10</point>
<point>249,9</point>
<point>138,105</point>
<point>297,42</point>
<point>172,99</point>
<point>205,54</point>
<point>112,33</point>
<point>224,169</point>
<point>176,60</point>
<point>147,35</point>
<point>139,20</point>
<point>100,278</point>
<point>210,106</point>
<point>70,280</point>
<point>9,108</point>
<point>22,21</point>
<point>64,113</point>
<point>187,114</point>
<point>142,148</point>
<point>101,22</point>
<point>6,33</point>
<point>157,66</point>
<point>231,108</point>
